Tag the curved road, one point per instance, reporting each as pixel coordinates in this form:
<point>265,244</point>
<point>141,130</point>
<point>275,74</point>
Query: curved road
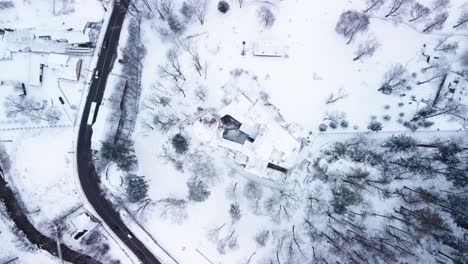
<point>89,179</point>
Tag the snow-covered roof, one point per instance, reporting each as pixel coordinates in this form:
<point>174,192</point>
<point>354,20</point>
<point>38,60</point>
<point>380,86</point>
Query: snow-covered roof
<point>73,36</point>
<point>58,59</point>
<point>66,67</point>
<point>271,142</point>
<point>82,222</point>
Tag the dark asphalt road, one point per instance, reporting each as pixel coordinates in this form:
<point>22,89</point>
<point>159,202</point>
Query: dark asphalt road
<point>89,179</point>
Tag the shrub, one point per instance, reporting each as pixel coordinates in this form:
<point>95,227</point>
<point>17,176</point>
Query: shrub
<point>386,107</point>
<point>137,188</point>
<point>375,126</point>
<point>400,143</point>
<point>333,125</point>
<point>323,127</point>
<point>266,17</point>
<point>411,125</point>
<point>401,114</point>
<point>180,144</point>
<point>386,117</point>
<point>401,104</point>
<point>344,123</point>
<point>425,123</point>
<point>223,7</point>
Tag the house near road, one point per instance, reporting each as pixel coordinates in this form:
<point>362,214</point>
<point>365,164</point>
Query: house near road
<point>80,223</point>
<point>67,67</point>
<point>252,134</point>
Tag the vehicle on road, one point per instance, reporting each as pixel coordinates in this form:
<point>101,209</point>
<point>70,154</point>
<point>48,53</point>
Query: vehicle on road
<point>96,74</point>
<point>61,100</point>
<point>105,43</point>
<point>91,113</point>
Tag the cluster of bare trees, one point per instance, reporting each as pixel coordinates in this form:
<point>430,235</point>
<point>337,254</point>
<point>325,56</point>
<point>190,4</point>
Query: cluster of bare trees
<point>418,223</point>
<point>32,109</point>
<point>430,16</point>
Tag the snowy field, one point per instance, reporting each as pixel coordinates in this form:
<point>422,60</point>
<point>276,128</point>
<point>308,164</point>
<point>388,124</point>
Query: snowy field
<point>234,218</point>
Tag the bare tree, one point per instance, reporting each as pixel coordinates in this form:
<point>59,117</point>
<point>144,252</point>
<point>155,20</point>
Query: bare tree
<point>394,79</point>
<point>373,5</point>
<point>200,7</point>
<point>396,7</point>
<point>173,68</point>
<point>366,48</point>
<point>173,208</point>
<point>280,206</point>
<point>462,21</point>
<point>418,11</point>
<point>334,97</point>
<point>254,193</point>
<point>201,92</point>
<point>444,46</point>
<point>164,121</point>
<point>350,23</point>
<point>440,4</point>
<point>437,23</point>
<point>32,109</point>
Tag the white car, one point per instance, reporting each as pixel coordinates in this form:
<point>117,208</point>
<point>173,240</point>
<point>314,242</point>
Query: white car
<point>96,74</point>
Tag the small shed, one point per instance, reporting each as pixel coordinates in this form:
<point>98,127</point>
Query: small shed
<point>268,49</point>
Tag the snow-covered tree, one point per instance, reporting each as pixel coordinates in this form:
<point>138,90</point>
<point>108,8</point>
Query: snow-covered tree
<point>352,22</point>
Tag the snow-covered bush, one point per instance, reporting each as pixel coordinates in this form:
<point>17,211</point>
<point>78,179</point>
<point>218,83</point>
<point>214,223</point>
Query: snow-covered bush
<point>333,125</point>
<point>400,143</point>
<point>223,7</point>
<point>265,17</point>
<point>344,123</point>
<point>323,127</point>
<point>344,197</point>
<point>136,188</point>
<point>375,126</point>
<point>180,143</point>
